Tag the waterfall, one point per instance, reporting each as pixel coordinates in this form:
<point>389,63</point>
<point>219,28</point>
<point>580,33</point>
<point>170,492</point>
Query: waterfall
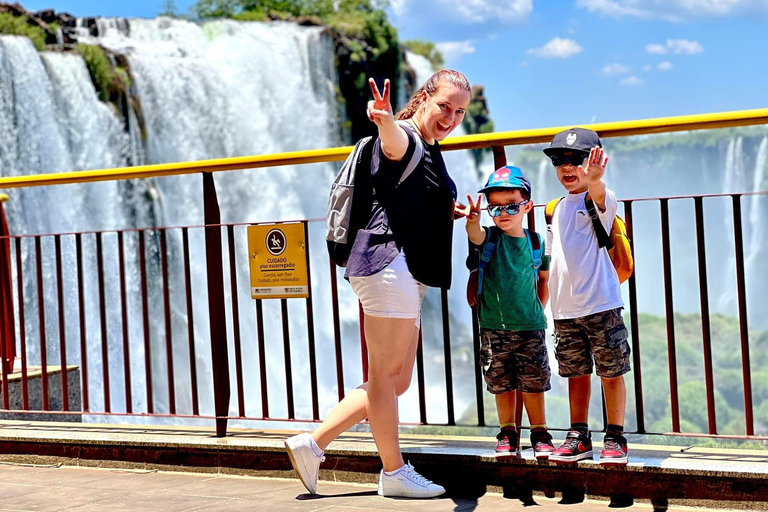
<point>756,216</point>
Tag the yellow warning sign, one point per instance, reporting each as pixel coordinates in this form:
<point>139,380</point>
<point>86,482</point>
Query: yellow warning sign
<point>278,261</point>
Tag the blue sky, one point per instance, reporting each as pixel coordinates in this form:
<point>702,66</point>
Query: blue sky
<point>561,62</point>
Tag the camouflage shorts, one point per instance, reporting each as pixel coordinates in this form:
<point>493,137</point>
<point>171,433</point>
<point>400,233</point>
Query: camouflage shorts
<point>602,335</point>
<point>514,360</point>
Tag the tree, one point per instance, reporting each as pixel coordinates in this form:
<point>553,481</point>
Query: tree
<point>169,9</point>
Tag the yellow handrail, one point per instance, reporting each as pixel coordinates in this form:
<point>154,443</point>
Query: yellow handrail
<point>615,129</point>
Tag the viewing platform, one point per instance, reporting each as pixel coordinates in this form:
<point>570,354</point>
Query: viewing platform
<point>466,466</point>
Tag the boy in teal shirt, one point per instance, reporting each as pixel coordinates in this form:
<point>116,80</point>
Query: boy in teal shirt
<point>511,308</point>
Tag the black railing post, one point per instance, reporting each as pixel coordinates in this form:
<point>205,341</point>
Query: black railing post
<point>216,310</point>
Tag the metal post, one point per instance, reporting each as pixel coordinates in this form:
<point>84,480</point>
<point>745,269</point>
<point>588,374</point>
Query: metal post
<point>216,310</point>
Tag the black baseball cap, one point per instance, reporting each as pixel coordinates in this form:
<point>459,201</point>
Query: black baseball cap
<point>573,139</point>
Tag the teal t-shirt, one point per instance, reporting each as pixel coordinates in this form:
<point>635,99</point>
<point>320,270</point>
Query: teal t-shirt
<point>509,301</point>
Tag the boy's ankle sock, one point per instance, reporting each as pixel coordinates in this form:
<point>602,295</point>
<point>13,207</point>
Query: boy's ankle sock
<point>614,429</point>
<point>512,425</point>
<point>581,427</point>
<point>538,428</point>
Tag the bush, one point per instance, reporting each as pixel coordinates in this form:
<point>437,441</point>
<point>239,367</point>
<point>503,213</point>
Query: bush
<point>100,68</point>
<point>18,26</point>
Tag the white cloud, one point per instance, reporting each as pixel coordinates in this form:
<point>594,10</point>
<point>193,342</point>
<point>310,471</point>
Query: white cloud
<point>616,69</point>
<point>557,48</point>
<point>684,47</point>
<point>656,49</point>
<point>676,11</point>
<point>647,67</point>
<point>454,50</point>
<point>631,80</point>
<point>665,66</point>
<point>525,64</point>
<point>463,11</point>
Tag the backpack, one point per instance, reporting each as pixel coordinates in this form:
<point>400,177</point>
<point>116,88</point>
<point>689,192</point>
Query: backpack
<point>351,198</point>
<point>476,261</point>
<point>617,242</point>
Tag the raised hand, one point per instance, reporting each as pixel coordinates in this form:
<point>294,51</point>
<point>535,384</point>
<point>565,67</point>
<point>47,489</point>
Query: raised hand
<point>592,169</point>
<point>471,212</point>
<point>380,109</point>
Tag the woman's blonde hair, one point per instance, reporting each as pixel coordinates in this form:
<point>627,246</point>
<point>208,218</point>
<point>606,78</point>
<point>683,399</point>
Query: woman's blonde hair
<point>431,86</point>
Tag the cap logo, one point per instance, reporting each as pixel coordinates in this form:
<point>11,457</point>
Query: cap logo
<point>570,139</point>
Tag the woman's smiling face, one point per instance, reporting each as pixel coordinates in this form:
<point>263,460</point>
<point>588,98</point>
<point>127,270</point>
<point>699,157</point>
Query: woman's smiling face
<point>443,111</point>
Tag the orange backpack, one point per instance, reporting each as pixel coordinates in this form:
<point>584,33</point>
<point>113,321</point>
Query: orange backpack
<point>617,242</point>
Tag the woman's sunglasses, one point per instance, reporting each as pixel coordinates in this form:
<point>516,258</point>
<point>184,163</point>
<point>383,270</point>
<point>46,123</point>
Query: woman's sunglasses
<point>576,158</point>
<point>511,208</point>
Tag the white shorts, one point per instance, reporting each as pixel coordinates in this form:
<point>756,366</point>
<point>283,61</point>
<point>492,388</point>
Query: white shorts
<point>391,293</point>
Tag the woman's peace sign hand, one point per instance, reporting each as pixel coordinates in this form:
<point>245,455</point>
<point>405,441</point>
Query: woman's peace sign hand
<point>472,212</point>
<point>380,109</point>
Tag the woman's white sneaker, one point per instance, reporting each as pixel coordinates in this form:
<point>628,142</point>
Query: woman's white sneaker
<point>408,483</point>
<point>305,461</point>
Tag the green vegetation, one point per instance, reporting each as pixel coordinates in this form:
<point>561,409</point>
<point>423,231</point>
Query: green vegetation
<point>169,9</point>
<point>108,81</point>
<point>426,49</point>
<point>18,26</point>
<point>478,120</point>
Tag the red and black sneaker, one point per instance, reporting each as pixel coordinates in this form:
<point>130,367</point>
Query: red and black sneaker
<point>614,450</point>
<point>541,442</point>
<point>507,443</point>
<point>577,446</point>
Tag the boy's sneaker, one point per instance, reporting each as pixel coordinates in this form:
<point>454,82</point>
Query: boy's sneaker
<point>577,446</point>
<point>507,443</point>
<point>305,462</point>
<point>541,442</point>
<point>408,483</point>
<point>614,449</point>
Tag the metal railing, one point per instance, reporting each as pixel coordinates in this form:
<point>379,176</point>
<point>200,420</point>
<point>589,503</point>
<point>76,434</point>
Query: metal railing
<point>151,248</point>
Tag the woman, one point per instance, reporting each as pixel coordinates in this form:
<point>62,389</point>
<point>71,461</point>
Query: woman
<point>405,248</point>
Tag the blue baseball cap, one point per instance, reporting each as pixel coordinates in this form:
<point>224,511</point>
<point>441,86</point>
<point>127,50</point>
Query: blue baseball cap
<point>506,177</point>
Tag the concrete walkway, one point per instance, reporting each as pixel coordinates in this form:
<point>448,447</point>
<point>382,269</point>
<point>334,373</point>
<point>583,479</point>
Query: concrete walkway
<point>56,488</point>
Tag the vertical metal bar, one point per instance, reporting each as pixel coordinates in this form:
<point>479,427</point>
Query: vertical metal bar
<point>6,360</point>
<point>478,370</point>
<point>145,322</point>
<point>168,323</point>
<point>363,344</point>
<point>635,326</point>
<point>420,378</point>
<point>262,359</point>
<point>531,220</point>
<point>447,356</point>
<point>62,327</point>
<point>190,323</point>
<point>287,355</point>
<point>236,320</point>
<point>670,315</point>
<point>103,321</point>
<point>41,317</point>
<point>311,332</point>
<point>499,156</point>
<point>23,330</point>
<point>738,243</point>
<point>83,326</point>
<point>216,308</point>
<point>705,330</point>
<point>124,310</point>
<point>337,331</point>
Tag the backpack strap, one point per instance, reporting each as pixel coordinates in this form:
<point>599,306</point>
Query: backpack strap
<point>534,242</point>
<point>603,240</point>
<point>485,257</point>
<point>417,155</point>
<point>549,210</point>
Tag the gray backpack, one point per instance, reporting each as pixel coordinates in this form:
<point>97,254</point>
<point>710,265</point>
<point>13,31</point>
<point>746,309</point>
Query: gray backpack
<point>349,206</point>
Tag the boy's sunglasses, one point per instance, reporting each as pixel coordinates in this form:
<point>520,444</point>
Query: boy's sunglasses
<point>511,208</point>
<point>576,158</point>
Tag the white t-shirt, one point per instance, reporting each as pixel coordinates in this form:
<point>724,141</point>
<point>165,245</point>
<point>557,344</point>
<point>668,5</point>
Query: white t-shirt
<point>582,278</point>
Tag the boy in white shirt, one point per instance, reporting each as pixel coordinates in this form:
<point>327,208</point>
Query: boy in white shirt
<point>586,296</point>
